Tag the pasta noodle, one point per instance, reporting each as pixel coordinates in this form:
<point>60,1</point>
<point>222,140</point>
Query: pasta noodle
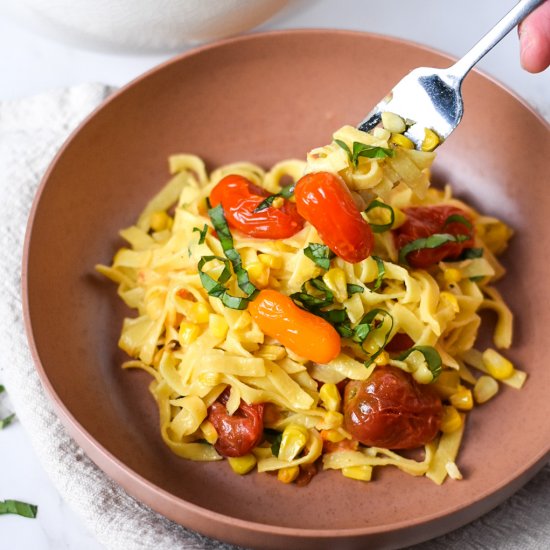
<point>198,351</point>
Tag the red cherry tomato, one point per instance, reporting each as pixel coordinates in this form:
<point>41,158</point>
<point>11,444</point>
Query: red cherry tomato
<point>424,221</point>
<point>391,410</point>
<point>325,201</point>
<point>239,198</point>
<point>239,433</point>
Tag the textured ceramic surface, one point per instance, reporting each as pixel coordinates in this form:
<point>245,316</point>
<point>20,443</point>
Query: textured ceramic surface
<point>265,98</point>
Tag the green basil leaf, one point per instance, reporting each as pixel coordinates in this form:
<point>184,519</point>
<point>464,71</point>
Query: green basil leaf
<point>320,254</point>
<point>471,254</point>
<point>354,289</point>
<point>431,355</point>
<point>286,192</point>
<point>202,232</point>
<point>276,444</point>
<point>381,272</point>
<point>345,147</point>
<point>368,325</point>
<point>369,151</point>
<point>2,389</point>
<point>219,222</point>
<point>433,241</point>
<point>457,218</point>
<point>5,422</point>
<point>381,227</point>
<point>19,508</point>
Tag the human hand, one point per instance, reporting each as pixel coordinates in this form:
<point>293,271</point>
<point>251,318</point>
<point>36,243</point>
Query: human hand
<point>534,38</point>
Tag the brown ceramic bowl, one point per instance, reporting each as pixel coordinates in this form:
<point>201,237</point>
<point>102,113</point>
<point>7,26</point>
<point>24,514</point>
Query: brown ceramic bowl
<point>265,98</point>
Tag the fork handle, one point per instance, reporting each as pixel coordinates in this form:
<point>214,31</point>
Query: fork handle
<point>519,12</point>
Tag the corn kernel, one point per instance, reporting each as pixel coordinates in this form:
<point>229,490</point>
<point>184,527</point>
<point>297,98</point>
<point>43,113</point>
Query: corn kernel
<point>486,387</point>
<point>242,464</point>
<point>218,325</point>
<point>275,262</point>
<point>188,333</point>
<point>198,313</point>
<point>450,299</point>
<point>160,220</point>
<point>451,420</point>
<point>209,432</point>
<point>447,383</point>
<point>462,399</point>
<point>401,141</point>
<point>334,436</point>
<point>278,202</point>
<point>382,359</point>
<point>393,123</point>
<point>293,441</point>
<point>452,275</point>
<point>335,279</point>
<point>362,472</point>
<point>431,140</point>
<point>332,420</point>
<point>330,396</point>
<point>497,366</point>
<point>259,274</point>
<point>288,475</point>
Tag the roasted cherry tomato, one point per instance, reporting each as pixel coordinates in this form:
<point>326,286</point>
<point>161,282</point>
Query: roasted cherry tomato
<point>325,201</point>
<point>239,198</point>
<point>302,332</point>
<point>391,410</point>
<point>424,221</point>
<point>239,433</point>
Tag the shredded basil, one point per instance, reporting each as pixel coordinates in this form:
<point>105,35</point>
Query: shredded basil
<point>321,254</point>
<point>431,355</point>
<point>5,422</point>
<point>381,273</point>
<point>354,289</point>
<point>19,508</point>
<point>274,437</point>
<point>457,218</point>
<point>2,389</point>
<point>381,227</point>
<point>433,241</point>
<point>471,254</point>
<point>286,192</point>
<point>363,150</point>
<point>202,232</point>
<point>373,321</point>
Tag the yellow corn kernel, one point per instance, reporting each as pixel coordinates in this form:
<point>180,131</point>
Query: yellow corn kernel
<point>392,122</point>
<point>486,387</point>
<point>259,274</point>
<point>335,279</point>
<point>497,366</point>
<point>402,141</point>
<point>450,298</point>
<point>209,432</point>
<point>330,396</point>
<point>293,441</point>
<point>188,333</point>
<point>462,399</point>
<point>334,436</point>
<point>218,325</point>
<point>242,464</point>
<point>362,472</point>
<point>198,313</point>
<point>452,275</point>
<point>288,475</point>
<point>496,236</point>
<point>451,420</point>
<point>332,420</point>
<point>382,359</point>
<point>278,202</point>
<point>447,383</point>
<point>275,262</point>
<point>431,140</point>
<point>160,220</point>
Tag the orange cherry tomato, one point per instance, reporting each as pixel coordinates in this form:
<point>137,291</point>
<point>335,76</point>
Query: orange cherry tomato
<point>325,201</point>
<point>239,198</point>
<point>302,332</point>
<point>391,410</point>
<point>424,221</point>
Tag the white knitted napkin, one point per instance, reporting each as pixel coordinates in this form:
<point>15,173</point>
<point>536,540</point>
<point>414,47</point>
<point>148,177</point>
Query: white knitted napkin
<point>31,131</point>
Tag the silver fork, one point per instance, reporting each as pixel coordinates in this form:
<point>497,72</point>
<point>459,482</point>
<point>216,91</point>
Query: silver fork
<point>431,98</point>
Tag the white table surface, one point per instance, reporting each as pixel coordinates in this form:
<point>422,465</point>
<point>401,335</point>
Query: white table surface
<point>31,62</point>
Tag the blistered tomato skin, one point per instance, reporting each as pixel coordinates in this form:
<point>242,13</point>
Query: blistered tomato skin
<point>302,332</point>
<point>390,410</point>
<point>239,198</point>
<point>239,433</point>
<point>325,201</point>
<point>424,221</point>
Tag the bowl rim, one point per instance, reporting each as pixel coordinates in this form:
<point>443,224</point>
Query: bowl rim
<point>92,447</point>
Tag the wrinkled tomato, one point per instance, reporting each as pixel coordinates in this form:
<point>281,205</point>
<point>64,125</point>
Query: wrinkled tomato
<point>424,221</point>
<point>391,410</point>
<point>239,198</point>
<point>325,201</point>
<point>240,432</point>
